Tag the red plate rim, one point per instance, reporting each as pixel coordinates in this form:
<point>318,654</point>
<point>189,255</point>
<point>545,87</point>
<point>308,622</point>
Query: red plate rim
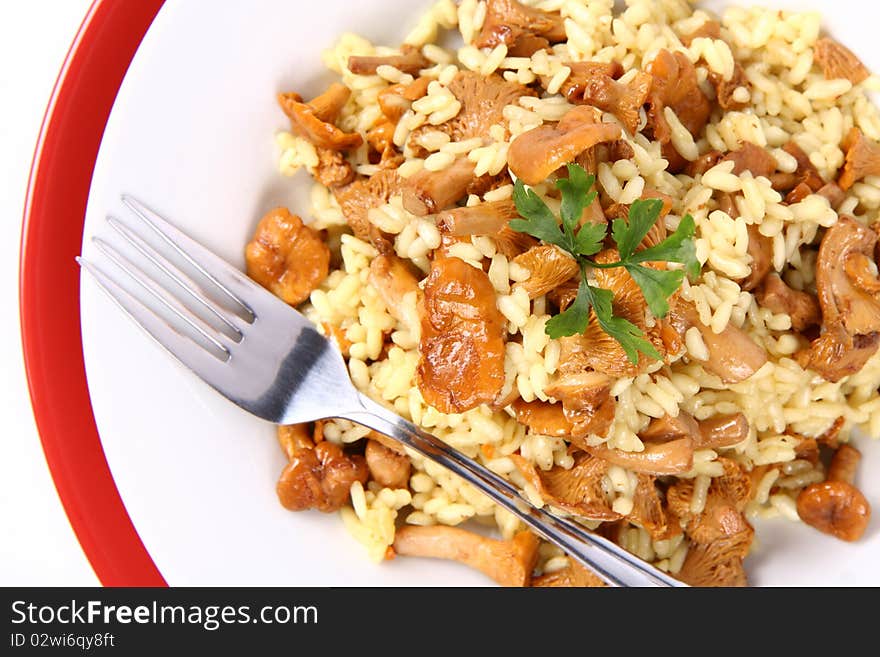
<point>52,231</point>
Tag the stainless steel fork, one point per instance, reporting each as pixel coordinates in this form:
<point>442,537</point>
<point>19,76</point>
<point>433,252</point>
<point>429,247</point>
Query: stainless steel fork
<point>267,358</point>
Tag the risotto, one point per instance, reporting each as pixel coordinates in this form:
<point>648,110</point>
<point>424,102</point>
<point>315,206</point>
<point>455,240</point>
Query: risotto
<point>751,139</point>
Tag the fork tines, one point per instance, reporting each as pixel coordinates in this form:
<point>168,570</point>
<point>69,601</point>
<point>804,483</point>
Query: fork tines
<point>198,322</point>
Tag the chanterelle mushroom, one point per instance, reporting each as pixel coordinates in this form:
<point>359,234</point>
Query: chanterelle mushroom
<point>595,349</point>
<point>431,191</point>
<point>836,506</point>
<point>578,490</point>
<point>669,458</point>
<point>483,99</point>
<point>397,287</point>
<point>838,61</point>
<point>318,476</point>
<point>389,467</point>
<point>753,158</point>
<point>595,83</point>
<point>538,152</point>
<point>549,267</point>
<point>760,249</point>
<point>287,257</point>
<point>587,403</point>
<point>850,313</point>
<point>573,575</point>
<point>510,563</point>
<point>359,197</point>
<point>802,307</point>
<point>410,60</point>
<point>461,350</point>
<point>675,86</point>
<point>720,535</point>
<point>862,159</point>
<point>314,119</point>
<point>581,490</point>
<point>490,218</point>
<point>518,26</point>
<point>487,218</point>
<point>733,355</point>
<point>722,431</point>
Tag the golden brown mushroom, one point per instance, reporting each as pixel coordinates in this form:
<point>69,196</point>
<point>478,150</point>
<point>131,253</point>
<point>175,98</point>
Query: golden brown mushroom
<point>724,89</point>
<point>595,83</point>
<point>388,467</point>
<point>666,428</point>
<point>712,433</point>
<point>587,403</point>
<point>675,86</point>
<point>753,158</point>
<point>490,218</point>
<point>573,575</point>
<point>648,512</point>
<point>805,172</point>
<point>317,476</point>
<point>595,349</point>
<point>461,350</point>
<point>314,119</point>
<point>722,431</point>
<point>720,535</point>
<point>719,562</point>
<point>733,355</point>
<point>802,307</point>
<point>549,267</point>
<point>519,27</point>
<point>483,100</point>
<point>482,219</point>
<point>358,198</point>
<point>850,313</point>
<point>578,490</point>
<point>669,458</point>
<point>315,122</point>
<point>396,99</point>
<point>701,165</point>
<point>838,61</point>
<point>287,257</point>
<point>510,563</point>
<point>862,159</point>
<point>427,192</point>
<point>542,417</point>
<point>833,193</point>
<point>836,506</point>
<point>538,152</point>
<point>760,249</point>
<point>393,280</point>
<point>410,60</point>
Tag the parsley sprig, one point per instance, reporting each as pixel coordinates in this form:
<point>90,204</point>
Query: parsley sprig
<point>657,285</point>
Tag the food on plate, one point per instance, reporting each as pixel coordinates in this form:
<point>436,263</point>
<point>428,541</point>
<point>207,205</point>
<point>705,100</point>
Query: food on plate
<point>626,260</point>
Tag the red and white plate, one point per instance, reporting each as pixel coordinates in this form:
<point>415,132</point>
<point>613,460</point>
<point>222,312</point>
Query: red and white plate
<point>163,480</point>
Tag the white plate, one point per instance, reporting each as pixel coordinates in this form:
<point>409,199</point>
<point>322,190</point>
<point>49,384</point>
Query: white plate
<point>191,133</point>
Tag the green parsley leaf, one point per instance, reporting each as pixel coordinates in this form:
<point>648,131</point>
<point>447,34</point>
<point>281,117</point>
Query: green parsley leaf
<point>576,195</point>
<point>678,247</point>
<point>538,220</point>
<point>625,332</point>
<point>657,285</point>
<point>643,214</point>
<point>573,319</point>
<point>589,239</point>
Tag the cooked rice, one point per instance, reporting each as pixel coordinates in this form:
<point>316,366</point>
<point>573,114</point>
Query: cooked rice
<point>789,99</point>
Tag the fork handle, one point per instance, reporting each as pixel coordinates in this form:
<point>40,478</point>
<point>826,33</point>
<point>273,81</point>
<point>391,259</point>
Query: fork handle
<point>608,560</point>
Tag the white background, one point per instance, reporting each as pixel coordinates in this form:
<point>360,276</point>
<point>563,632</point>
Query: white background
<point>37,545</point>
